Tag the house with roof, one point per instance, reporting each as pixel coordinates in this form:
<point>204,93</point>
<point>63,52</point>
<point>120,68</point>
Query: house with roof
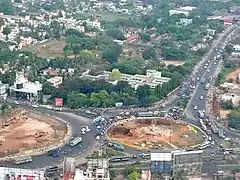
<point>228,22</point>
<point>133,38</point>
<point>182,10</point>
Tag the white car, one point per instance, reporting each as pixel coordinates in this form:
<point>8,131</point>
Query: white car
<point>201,97</point>
<point>83,132</point>
<point>35,106</point>
<point>98,137</point>
<point>195,107</point>
<point>208,70</point>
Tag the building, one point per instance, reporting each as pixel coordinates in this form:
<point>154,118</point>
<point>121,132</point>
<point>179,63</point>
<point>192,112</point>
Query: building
<point>236,47</point>
<point>97,169</point>
<point>146,175</point>
<point>18,174</point>
<point>161,164</point>
<point>189,161</point>
<point>232,96</point>
<point>23,89</point>
<point>55,81</point>
<point>69,168</point>
<point>152,78</point>
<point>228,22</point>
<point>182,10</point>
<point>133,38</point>
<point>25,41</point>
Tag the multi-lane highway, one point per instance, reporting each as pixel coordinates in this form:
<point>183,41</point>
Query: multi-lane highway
<point>206,74</point>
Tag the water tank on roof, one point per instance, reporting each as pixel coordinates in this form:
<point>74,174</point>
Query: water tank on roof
<point>20,86</point>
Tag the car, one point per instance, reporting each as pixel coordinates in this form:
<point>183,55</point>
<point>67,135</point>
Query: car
<point>195,107</point>
<point>208,70</point>
<point>97,137</point>
<point>201,97</point>
<point>205,67</point>
<point>35,106</point>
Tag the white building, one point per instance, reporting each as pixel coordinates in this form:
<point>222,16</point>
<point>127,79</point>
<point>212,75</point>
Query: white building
<point>182,10</point>
<point>152,78</point>
<point>24,89</point>
<point>97,169</point>
<point>23,174</point>
<point>89,174</point>
<point>236,47</point>
<point>233,98</point>
<point>55,81</point>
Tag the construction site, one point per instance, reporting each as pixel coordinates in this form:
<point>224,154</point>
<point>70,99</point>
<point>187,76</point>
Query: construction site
<point>24,130</point>
<point>155,133</point>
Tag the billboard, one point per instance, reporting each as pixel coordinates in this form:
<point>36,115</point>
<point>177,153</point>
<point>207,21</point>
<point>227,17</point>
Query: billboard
<point>191,161</point>
<point>58,102</point>
<point>161,163</point>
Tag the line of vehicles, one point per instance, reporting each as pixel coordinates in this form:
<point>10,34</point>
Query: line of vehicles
<point>117,159</point>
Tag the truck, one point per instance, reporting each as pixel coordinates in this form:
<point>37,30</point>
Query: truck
<point>207,86</point>
<point>203,80</point>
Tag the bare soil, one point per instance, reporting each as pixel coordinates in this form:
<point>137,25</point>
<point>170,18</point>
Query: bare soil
<point>26,130</point>
<point>155,134</point>
<point>175,63</point>
<point>233,75</point>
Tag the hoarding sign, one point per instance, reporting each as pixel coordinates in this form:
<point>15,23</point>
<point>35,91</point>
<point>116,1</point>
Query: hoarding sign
<point>58,102</point>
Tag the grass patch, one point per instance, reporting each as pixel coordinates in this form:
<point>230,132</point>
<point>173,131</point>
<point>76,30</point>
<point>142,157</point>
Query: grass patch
<point>224,73</point>
<point>107,16</point>
<point>49,49</point>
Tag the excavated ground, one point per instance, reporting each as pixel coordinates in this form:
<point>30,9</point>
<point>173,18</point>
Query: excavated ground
<point>155,134</point>
<point>26,130</point>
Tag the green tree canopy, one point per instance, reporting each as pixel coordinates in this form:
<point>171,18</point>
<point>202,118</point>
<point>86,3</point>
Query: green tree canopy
<point>149,53</point>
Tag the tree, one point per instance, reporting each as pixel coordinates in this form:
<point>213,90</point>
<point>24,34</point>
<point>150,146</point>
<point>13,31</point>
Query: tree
<point>116,34</point>
<point>112,52</point>
<point>6,7</point>
<point>115,75</point>
<point>47,88</point>
<point>149,53</point>
<point>234,120</point>
<point>134,175</point>
<point>6,31</point>
<point>180,175</point>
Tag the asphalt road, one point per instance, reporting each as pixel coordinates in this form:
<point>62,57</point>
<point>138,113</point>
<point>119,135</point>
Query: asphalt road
<point>75,121</point>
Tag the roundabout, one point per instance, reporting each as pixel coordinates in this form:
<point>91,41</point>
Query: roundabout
<point>26,132</point>
<point>155,133</point>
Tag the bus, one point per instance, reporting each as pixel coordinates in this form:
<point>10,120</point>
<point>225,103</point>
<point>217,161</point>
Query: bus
<point>200,114</point>
<point>120,158</point>
<point>97,120</point>
<point>23,160</point>
<point>75,141</point>
<point>214,128</point>
<point>145,114</point>
<point>221,133</point>
<point>204,145</point>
